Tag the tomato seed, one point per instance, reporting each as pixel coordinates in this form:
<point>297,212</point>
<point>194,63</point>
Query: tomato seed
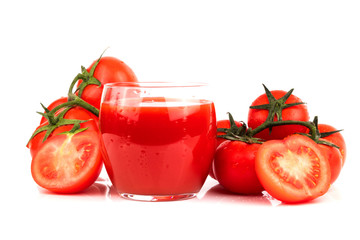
<point>298,184</point>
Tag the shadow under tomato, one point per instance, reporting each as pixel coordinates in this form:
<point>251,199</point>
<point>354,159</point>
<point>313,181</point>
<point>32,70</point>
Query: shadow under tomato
<point>218,194</point>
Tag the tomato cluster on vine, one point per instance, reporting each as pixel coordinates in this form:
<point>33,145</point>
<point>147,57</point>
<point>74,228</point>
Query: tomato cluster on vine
<point>66,148</point>
<point>279,150</point>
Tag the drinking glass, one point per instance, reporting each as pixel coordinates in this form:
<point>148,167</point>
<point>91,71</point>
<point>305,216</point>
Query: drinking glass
<point>160,138</point>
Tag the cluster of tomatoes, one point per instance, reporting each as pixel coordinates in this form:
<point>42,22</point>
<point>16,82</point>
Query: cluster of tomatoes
<point>280,151</point>
<point>66,148</point>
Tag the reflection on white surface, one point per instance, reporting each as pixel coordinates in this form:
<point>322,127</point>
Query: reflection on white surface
<point>212,192</point>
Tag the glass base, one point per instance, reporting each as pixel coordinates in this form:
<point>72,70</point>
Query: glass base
<point>157,198</point>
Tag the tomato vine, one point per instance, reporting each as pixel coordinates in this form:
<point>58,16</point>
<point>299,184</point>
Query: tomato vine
<point>275,107</point>
<point>74,99</point>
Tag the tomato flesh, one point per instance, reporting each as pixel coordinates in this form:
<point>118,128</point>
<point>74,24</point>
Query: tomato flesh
<point>68,163</point>
<point>293,170</point>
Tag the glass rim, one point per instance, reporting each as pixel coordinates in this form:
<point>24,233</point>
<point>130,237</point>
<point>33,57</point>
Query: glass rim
<point>155,84</point>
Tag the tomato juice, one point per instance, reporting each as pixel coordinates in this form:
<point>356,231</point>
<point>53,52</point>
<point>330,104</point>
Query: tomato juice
<point>158,146</point>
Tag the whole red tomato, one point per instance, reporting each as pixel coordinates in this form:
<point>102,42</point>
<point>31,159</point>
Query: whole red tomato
<point>336,138</point>
<point>256,117</point>
<point>108,70</point>
<point>234,167</point>
<point>336,157</point>
<point>221,124</point>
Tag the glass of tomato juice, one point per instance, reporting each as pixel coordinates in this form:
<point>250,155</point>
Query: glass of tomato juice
<point>160,138</point>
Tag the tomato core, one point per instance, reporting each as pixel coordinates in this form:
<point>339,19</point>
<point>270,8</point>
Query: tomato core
<point>300,169</point>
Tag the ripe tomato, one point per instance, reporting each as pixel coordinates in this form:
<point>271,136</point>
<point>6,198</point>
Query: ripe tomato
<point>68,163</point>
<point>61,101</point>
<point>293,169</point>
<point>256,117</point>
<point>108,70</point>
<point>221,124</point>
<point>334,158</point>
<point>234,167</point>
<point>335,138</point>
<point>74,113</point>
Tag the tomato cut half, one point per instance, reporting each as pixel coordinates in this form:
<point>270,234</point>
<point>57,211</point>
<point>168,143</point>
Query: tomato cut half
<point>293,170</point>
<point>68,163</point>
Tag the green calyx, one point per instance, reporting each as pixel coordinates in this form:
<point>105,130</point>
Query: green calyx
<point>86,77</point>
<point>235,133</point>
<point>275,106</point>
<point>319,135</point>
<point>56,121</point>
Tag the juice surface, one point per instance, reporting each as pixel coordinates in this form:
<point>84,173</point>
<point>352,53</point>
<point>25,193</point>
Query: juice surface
<point>157,146</point>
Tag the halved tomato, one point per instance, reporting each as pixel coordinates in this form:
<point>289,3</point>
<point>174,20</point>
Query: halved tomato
<point>68,163</point>
<point>293,170</point>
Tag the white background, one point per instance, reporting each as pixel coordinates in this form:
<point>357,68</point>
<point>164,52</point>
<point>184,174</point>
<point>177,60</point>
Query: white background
<point>235,46</point>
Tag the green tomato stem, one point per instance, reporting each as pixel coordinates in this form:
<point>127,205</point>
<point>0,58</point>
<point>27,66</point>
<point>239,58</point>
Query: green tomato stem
<point>76,79</point>
<point>76,101</point>
<point>268,124</point>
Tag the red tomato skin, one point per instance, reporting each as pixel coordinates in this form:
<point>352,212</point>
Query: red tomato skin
<point>109,70</point>
<point>221,124</point>
<point>67,187</point>
<point>277,186</point>
<point>256,117</point>
<point>336,138</point>
<point>334,158</point>
<point>234,167</point>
